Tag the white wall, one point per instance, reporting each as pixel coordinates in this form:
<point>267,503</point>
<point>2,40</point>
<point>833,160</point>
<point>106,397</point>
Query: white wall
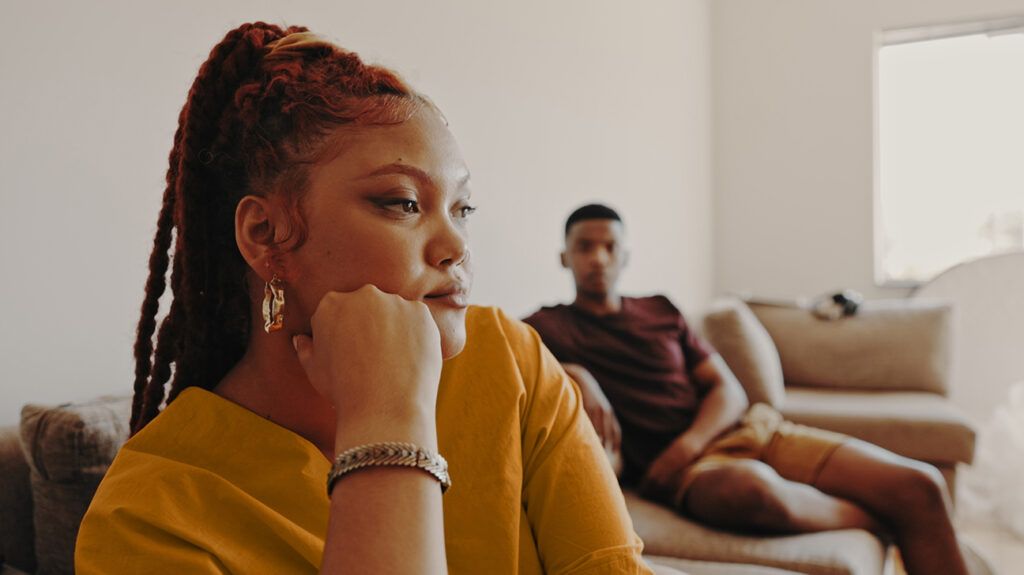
<point>555,104</point>
<point>793,85</point>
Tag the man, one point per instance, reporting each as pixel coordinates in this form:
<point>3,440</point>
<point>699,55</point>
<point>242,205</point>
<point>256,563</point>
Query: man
<point>689,439</point>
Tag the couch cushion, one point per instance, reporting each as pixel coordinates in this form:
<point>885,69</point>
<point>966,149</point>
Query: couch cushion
<point>691,567</point>
<point>68,448</point>
<point>747,349</point>
<point>17,540</point>
<point>666,533</point>
<point>919,425</point>
<point>889,344</point>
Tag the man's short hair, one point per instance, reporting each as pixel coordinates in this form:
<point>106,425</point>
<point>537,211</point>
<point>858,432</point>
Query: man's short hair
<point>591,212</point>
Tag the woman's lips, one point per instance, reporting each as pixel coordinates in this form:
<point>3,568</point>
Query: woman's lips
<point>458,299</point>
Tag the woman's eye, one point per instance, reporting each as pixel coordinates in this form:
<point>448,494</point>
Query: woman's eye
<point>465,211</point>
<point>403,206</point>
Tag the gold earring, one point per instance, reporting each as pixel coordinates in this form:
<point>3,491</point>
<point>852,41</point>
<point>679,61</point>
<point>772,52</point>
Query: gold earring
<point>273,305</point>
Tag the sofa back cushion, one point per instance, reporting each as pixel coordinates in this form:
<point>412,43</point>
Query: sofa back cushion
<point>747,349</point>
<point>68,449</point>
<point>887,345</point>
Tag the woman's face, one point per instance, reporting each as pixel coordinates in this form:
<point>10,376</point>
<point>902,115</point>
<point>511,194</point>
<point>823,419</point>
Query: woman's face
<point>390,210</point>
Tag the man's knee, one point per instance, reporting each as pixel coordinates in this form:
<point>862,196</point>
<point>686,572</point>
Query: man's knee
<point>916,489</point>
<point>740,494</point>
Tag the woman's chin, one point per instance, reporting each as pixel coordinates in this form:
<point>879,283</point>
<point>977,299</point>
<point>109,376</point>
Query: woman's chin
<point>451,324</point>
<point>451,347</point>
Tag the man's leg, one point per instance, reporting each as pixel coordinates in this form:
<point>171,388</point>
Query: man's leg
<point>908,496</point>
<point>749,495</point>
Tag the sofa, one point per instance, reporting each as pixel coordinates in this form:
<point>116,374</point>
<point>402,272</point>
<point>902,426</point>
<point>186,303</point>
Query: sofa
<point>52,463</point>
<point>879,376</point>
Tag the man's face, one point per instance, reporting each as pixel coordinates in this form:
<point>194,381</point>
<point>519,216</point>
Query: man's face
<point>595,253</point>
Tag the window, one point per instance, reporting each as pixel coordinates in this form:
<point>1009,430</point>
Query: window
<point>950,148</point>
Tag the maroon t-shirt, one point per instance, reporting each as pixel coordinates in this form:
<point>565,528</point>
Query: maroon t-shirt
<point>642,357</point>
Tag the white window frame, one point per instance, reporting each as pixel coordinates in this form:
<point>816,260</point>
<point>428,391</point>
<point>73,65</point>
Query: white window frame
<point>993,27</point>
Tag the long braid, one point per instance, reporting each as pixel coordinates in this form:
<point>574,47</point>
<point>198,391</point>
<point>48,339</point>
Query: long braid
<point>155,286</point>
<point>197,123</point>
<point>216,281</point>
<point>153,394</point>
<point>250,125</point>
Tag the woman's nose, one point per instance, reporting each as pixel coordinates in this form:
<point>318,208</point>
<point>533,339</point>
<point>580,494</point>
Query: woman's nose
<point>449,246</point>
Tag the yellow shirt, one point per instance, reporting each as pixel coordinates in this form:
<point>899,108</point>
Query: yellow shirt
<point>210,487</point>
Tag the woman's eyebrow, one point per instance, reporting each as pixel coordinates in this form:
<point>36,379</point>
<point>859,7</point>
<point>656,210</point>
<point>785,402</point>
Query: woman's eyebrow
<point>399,168</point>
<point>413,172</point>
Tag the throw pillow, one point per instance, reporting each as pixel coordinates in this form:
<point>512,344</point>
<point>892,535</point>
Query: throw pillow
<point>747,349</point>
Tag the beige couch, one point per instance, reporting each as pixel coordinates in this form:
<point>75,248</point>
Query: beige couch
<point>50,468</point>
<point>879,376</point>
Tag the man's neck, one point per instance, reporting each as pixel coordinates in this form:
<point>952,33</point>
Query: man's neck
<point>599,304</point>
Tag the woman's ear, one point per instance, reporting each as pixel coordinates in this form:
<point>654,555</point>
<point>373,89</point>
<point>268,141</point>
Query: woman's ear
<point>258,224</point>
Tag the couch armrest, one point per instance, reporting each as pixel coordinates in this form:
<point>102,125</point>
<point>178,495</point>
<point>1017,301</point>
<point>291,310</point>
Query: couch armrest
<point>17,535</point>
<point>68,448</point>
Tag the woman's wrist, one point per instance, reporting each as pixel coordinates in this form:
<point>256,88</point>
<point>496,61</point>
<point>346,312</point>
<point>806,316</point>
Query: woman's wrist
<point>414,426</point>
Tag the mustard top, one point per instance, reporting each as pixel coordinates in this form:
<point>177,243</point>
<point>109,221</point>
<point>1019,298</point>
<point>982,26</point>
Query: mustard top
<point>210,487</point>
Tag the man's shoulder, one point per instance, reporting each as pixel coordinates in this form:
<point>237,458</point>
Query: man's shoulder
<point>657,303</point>
<point>549,313</point>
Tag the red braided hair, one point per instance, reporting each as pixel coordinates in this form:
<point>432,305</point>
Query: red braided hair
<point>257,116</point>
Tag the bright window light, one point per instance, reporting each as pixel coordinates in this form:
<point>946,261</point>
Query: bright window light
<point>951,153</point>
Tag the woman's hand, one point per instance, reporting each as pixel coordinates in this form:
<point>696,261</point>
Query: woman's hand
<point>377,358</point>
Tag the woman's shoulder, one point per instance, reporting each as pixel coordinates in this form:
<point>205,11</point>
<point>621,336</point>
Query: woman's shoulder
<point>484,316</point>
<point>179,444</point>
<point>204,465</point>
<point>150,491</point>
<point>202,439</point>
<point>203,429</point>
<point>487,327</point>
<point>500,350</point>
<point>157,512</point>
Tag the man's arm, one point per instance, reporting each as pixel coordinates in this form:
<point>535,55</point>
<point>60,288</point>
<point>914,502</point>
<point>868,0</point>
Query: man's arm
<point>600,412</point>
<point>723,405</point>
<point>724,402</point>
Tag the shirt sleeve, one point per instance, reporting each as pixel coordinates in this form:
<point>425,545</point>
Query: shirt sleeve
<point>695,348</point>
<point>572,499</point>
<point>154,515</point>
<point>547,325</point>
<point>115,540</point>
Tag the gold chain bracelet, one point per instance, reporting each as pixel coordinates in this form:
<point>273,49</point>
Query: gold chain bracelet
<point>389,454</point>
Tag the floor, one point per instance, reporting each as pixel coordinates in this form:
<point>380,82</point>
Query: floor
<point>1002,549</point>
<point>1003,552</point>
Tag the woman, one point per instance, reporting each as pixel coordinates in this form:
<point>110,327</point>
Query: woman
<point>320,273</point>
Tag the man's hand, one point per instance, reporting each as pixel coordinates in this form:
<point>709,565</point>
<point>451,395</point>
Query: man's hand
<point>598,408</point>
<point>665,473</point>
<point>721,408</point>
<point>601,414</point>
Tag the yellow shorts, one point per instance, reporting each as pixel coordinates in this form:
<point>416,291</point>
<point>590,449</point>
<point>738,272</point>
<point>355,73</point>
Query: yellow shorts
<point>796,452</point>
